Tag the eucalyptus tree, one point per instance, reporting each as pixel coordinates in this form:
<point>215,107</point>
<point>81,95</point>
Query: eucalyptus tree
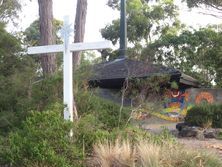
<point>216,4</point>
<point>9,9</point>
<point>79,28</point>
<point>47,36</point>
<point>146,21</point>
<point>208,7</point>
<point>194,52</point>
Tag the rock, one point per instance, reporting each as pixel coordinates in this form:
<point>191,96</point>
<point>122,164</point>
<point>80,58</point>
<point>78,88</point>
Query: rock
<point>218,131</point>
<point>180,126</point>
<point>191,132</point>
<point>210,133</point>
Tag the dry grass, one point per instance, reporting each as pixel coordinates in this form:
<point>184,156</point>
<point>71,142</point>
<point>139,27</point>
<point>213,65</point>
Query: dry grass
<point>146,154</point>
<point>117,154</point>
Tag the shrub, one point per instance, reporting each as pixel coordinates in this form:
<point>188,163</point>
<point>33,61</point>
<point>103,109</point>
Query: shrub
<point>217,117</point>
<point>201,115</point>
<point>205,116</point>
<point>10,121</point>
<point>106,112</point>
<point>87,132</point>
<point>43,139</point>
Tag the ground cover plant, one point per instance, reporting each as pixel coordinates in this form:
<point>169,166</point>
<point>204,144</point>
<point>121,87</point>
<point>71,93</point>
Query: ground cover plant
<point>205,115</point>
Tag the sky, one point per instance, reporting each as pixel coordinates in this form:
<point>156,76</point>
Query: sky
<point>99,15</point>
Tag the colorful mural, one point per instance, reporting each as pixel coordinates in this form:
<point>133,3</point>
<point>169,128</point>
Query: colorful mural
<point>204,97</point>
<point>175,106</point>
<point>179,101</point>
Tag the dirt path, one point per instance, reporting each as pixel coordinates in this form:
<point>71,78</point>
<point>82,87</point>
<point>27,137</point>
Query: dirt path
<point>208,145</point>
<point>156,125</point>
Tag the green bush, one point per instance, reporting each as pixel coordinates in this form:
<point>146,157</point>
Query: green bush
<point>105,111</point>
<point>201,115</point>
<point>217,117</point>
<point>205,116</point>
<point>43,139</point>
<point>87,132</point>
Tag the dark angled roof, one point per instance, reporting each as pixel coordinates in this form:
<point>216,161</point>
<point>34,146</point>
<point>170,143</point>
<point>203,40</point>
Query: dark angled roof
<point>126,68</point>
<point>112,74</point>
<point>188,80</point>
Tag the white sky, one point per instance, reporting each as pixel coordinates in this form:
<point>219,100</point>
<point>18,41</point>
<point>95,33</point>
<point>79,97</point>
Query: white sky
<point>98,15</point>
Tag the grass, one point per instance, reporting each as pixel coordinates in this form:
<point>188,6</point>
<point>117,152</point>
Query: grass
<point>117,154</point>
<point>147,154</point>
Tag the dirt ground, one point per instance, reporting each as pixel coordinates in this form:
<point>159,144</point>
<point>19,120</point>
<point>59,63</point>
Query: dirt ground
<point>156,125</point>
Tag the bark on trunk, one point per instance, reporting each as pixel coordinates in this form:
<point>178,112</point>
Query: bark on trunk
<point>80,21</point>
<point>79,32</point>
<point>48,61</point>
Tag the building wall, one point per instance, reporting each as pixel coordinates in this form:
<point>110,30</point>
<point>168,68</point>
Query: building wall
<point>177,104</point>
<point>198,95</point>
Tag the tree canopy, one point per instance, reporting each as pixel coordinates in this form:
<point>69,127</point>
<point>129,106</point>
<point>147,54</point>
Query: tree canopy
<point>156,35</point>
<point>217,4</point>
<point>145,23</point>
<point>9,9</point>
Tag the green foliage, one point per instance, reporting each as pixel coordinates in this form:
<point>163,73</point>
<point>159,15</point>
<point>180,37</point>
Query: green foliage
<point>158,36</point>
<point>174,85</point>
<point>210,3</point>
<point>32,33</point>
<point>145,23</point>
<point>185,50</point>
<point>135,134</point>
<point>46,92</point>
<point>44,139</point>
<point>10,121</point>
<point>200,116</point>
<point>9,9</point>
<point>16,73</point>
<point>143,90</point>
<point>105,111</point>
<point>217,117</point>
<point>205,116</point>
<point>88,130</point>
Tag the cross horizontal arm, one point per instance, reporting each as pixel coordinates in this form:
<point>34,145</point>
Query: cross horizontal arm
<point>90,46</point>
<point>45,49</point>
<point>72,47</point>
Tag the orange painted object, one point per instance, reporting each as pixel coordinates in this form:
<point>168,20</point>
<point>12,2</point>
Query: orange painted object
<point>174,105</point>
<point>204,96</point>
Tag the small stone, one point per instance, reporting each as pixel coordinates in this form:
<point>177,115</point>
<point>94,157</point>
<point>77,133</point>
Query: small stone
<point>191,132</point>
<point>210,133</point>
<point>180,126</point>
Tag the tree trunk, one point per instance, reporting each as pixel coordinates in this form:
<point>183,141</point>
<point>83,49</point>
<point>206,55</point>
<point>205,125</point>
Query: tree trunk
<point>80,21</point>
<point>48,61</point>
<point>79,31</point>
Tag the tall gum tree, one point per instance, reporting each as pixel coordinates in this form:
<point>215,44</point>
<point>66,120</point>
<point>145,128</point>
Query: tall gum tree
<point>79,32</point>
<point>79,28</point>
<point>48,61</point>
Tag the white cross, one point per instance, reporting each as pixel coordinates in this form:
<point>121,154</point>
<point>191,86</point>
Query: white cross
<point>67,48</point>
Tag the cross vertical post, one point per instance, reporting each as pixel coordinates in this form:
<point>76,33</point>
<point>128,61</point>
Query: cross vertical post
<point>67,72</point>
